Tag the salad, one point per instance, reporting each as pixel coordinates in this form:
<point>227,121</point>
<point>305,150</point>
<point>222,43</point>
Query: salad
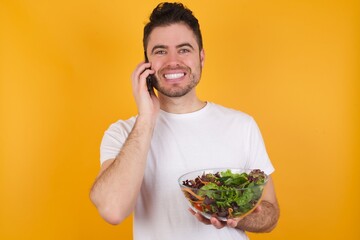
<point>225,194</point>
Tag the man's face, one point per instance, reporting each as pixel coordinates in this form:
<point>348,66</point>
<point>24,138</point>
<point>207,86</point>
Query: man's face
<point>174,55</point>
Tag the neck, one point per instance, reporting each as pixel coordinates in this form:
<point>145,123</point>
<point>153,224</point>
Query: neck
<point>185,104</point>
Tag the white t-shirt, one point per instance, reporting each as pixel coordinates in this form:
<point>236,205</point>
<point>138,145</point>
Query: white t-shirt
<point>213,137</point>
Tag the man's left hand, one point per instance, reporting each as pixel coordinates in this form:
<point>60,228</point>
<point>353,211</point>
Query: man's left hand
<point>231,222</point>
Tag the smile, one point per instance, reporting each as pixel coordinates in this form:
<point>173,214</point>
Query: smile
<point>171,76</point>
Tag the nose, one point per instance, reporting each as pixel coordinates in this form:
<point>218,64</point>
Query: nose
<point>172,59</point>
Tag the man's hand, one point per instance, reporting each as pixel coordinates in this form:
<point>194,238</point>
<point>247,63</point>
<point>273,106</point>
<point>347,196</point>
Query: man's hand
<point>147,103</point>
<point>220,224</point>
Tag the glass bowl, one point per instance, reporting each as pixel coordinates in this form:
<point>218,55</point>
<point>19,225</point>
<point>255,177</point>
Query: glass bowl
<point>223,192</point>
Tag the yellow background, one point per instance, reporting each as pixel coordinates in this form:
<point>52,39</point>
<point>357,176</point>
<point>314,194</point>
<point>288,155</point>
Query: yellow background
<point>65,76</point>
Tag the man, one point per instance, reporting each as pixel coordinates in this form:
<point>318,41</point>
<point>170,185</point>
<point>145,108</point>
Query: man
<point>175,132</point>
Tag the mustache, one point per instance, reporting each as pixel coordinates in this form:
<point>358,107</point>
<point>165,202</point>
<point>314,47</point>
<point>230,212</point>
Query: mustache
<point>179,67</point>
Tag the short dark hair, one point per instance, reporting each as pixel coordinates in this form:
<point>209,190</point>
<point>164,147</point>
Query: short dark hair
<point>166,14</point>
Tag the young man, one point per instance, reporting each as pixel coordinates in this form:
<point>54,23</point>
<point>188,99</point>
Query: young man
<point>175,132</point>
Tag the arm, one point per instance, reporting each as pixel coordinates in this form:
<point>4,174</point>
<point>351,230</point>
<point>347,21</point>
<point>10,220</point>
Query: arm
<point>117,186</point>
<point>265,218</point>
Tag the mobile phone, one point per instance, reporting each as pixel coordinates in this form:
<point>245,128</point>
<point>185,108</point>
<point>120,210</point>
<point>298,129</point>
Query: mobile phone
<point>149,79</point>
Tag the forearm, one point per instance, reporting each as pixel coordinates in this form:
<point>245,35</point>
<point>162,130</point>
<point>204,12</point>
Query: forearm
<point>264,220</point>
<point>115,190</point>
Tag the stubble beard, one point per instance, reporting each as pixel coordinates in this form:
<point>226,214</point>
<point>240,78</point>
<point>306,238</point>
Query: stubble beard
<point>176,90</point>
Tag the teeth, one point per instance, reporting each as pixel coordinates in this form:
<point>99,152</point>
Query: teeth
<point>174,75</point>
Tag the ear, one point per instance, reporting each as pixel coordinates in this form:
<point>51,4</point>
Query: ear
<point>202,57</point>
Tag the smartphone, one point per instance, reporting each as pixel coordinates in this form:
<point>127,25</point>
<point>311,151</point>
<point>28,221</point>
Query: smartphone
<point>149,79</point>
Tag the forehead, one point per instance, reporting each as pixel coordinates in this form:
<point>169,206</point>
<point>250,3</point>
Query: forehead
<point>172,35</point>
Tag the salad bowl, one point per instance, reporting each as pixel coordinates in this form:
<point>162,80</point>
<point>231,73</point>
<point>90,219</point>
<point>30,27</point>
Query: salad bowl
<point>223,192</point>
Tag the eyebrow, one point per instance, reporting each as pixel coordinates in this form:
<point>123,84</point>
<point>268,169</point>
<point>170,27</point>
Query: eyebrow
<point>185,45</point>
<point>166,47</point>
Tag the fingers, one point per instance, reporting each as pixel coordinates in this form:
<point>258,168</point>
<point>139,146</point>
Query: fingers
<point>139,69</point>
<point>147,104</point>
<point>232,222</point>
<point>191,211</point>
<point>213,221</point>
<point>138,78</point>
<point>140,73</point>
<point>199,217</point>
<point>216,223</point>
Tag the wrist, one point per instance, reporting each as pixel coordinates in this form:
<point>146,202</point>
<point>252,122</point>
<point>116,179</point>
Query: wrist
<point>239,226</point>
<point>146,120</point>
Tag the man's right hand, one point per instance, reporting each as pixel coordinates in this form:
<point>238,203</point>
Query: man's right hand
<point>147,103</point>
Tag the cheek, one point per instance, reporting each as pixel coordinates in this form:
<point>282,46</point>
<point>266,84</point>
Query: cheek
<point>156,66</point>
<point>196,66</point>
<point>191,64</point>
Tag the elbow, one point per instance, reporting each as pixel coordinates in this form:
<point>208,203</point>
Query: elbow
<point>111,213</point>
<point>110,216</point>
<point>270,229</point>
<point>275,221</point>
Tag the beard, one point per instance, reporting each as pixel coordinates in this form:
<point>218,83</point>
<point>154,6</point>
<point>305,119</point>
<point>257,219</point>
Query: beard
<point>177,90</point>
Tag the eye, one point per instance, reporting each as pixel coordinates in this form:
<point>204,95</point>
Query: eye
<point>184,50</point>
<point>160,52</point>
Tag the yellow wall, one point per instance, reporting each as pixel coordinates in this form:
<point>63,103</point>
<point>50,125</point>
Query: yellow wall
<point>65,76</point>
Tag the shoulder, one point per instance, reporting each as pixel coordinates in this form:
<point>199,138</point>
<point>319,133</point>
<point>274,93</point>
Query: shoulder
<point>226,112</point>
<point>122,127</point>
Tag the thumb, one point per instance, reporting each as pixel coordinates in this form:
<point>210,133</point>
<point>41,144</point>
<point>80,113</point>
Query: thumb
<point>257,209</point>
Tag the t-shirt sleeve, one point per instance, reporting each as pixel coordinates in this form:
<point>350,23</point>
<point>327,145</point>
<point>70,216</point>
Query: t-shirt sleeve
<point>258,157</point>
<point>114,139</point>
